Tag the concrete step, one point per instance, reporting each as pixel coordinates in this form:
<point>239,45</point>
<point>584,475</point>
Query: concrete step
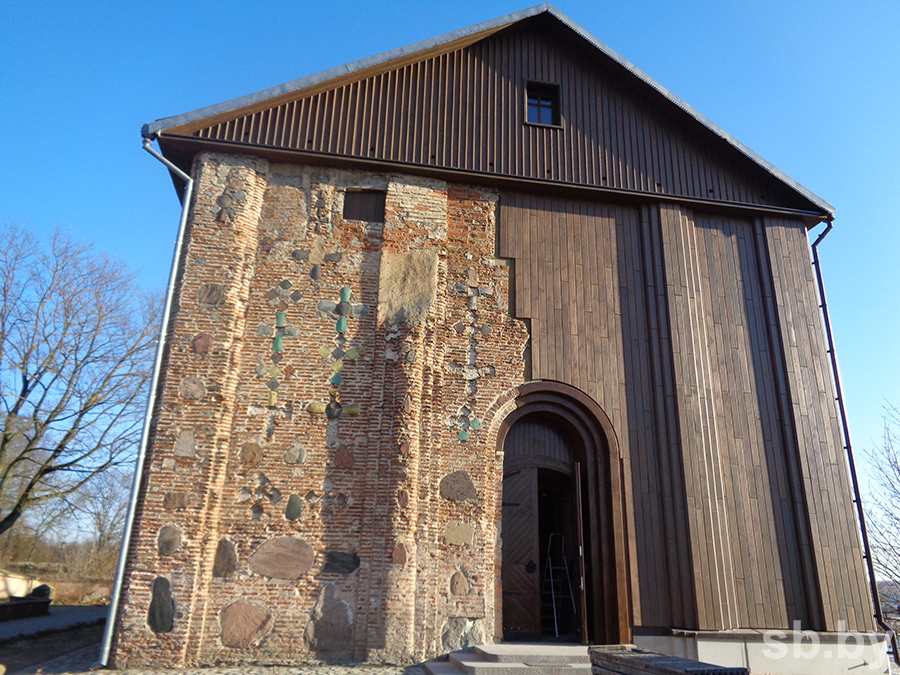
<point>472,664</point>
<point>515,659</point>
<point>548,654</point>
<point>440,668</point>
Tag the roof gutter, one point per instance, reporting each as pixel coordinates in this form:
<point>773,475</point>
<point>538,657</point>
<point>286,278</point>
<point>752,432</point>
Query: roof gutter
<point>848,447</point>
<point>151,405</point>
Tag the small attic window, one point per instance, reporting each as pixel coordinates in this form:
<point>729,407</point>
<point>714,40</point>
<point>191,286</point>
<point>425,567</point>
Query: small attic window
<point>367,205</point>
<point>543,104</point>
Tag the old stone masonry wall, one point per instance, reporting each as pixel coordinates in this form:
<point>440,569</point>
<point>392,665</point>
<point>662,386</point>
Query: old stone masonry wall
<point>323,481</point>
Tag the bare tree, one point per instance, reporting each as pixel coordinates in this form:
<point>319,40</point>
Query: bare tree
<point>883,515</point>
<point>883,508</point>
<point>96,516</point>
<point>77,338</point>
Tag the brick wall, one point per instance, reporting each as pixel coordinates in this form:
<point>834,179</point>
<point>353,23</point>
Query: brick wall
<point>323,481</point>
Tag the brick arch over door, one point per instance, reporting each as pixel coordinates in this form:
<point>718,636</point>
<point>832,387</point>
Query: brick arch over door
<point>609,616</point>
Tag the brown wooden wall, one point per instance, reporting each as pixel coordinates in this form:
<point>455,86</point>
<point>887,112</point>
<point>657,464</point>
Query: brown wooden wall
<point>579,278</point>
<point>739,511</point>
<point>834,532</point>
<point>466,110</point>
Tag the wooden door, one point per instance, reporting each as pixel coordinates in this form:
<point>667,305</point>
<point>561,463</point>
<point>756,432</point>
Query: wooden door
<point>581,590</point>
<point>521,555</point>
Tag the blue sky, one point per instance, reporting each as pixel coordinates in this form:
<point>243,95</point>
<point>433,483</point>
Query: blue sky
<point>813,87</point>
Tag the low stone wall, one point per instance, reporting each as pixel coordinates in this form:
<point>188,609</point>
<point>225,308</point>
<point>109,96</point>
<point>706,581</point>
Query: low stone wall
<point>22,608</point>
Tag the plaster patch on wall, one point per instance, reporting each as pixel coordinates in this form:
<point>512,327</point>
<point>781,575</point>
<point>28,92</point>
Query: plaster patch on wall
<point>458,533</point>
<point>185,444</point>
<point>331,625</point>
<point>407,286</point>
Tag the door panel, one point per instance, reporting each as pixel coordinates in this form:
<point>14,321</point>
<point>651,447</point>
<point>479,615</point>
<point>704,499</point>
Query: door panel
<point>579,555</point>
<point>521,555</point>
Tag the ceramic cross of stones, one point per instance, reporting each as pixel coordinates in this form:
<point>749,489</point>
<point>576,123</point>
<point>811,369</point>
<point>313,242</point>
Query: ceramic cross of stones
<point>470,371</point>
<point>277,332</point>
<point>337,357</point>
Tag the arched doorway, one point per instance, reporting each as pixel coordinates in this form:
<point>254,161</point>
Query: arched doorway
<point>563,568</point>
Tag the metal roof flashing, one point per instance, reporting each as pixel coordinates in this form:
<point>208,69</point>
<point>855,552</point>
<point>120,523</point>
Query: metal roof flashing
<point>155,128</point>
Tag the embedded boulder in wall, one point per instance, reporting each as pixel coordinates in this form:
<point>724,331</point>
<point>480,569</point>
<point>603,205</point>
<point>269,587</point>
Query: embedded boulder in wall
<point>283,558</point>
<point>243,623</point>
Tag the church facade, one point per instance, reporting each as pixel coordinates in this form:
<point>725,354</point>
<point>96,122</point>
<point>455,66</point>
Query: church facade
<point>488,338</point>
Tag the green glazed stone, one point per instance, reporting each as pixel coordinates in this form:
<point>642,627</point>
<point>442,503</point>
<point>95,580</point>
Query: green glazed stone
<point>277,345</point>
<point>463,435</point>
<point>279,319</point>
<point>475,423</point>
<point>341,324</point>
<point>294,508</point>
<point>345,294</point>
<point>336,379</point>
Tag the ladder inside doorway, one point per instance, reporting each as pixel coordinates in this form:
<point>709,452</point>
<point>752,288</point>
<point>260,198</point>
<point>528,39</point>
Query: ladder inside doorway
<point>557,585</point>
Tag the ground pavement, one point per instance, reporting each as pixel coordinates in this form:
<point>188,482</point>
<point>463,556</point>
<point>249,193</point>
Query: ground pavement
<point>83,659</point>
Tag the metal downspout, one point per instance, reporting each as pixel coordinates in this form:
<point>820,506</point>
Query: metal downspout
<point>151,404</point>
<point>839,397</point>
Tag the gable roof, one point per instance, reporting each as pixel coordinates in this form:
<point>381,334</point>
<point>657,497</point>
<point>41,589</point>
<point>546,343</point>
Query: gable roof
<point>192,123</point>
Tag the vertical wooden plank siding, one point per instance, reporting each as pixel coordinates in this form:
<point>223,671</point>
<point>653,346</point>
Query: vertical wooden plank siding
<point>580,276</point>
<point>465,109</point>
<point>766,558</point>
<point>702,457</point>
<point>806,607</point>
<point>673,322</point>
<point>751,540</point>
<point>839,566</point>
<point>666,452</point>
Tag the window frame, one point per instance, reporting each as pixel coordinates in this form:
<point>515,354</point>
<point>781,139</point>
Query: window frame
<point>549,91</point>
<point>362,208</point>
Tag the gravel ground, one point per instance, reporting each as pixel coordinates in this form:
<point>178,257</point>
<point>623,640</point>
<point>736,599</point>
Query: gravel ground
<point>83,659</point>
